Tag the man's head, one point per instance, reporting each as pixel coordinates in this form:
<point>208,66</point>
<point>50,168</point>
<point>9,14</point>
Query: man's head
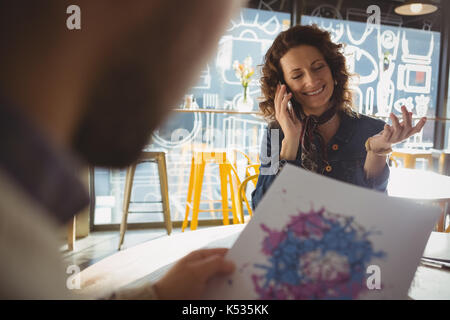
<point>103,89</point>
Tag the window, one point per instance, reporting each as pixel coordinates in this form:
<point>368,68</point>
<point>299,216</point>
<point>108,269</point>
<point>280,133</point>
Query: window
<point>394,65</point>
<point>397,62</point>
<point>249,34</point>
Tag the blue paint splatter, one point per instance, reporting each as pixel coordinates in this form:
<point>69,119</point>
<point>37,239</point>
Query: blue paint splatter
<point>318,255</point>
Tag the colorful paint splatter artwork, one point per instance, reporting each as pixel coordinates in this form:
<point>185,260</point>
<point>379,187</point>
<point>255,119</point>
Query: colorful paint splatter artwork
<point>318,255</point>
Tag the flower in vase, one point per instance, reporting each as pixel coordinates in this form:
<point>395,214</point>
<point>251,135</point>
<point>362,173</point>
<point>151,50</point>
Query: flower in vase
<point>244,72</point>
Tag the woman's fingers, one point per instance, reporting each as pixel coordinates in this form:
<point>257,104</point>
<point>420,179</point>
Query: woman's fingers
<point>397,128</point>
<point>407,119</point>
<point>387,132</point>
<point>284,103</point>
<point>281,103</point>
<point>418,126</point>
<point>291,113</point>
<point>279,94</point>
<point>401,131</point>
<point>287,108</point>
<point>283,114</point>
<point>410,116</point>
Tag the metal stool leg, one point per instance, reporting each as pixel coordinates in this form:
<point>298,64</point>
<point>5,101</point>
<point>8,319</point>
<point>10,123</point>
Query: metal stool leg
<point>224,191</point>
<point>234,189</point>
<point>189,196</point>
<point>198,182</point>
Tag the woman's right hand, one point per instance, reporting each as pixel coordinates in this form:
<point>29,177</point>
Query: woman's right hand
<point>290,124</point>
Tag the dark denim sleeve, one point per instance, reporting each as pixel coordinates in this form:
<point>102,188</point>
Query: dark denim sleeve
<point>270,155</point>
<point>378,183</point>
<point>370,128</point>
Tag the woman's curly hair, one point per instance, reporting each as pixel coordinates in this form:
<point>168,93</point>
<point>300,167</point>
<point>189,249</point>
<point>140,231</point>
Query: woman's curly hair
<point>304,35</point>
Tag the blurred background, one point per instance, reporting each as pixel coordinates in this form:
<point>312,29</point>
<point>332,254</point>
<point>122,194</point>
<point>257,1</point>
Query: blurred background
<point>398,60</point>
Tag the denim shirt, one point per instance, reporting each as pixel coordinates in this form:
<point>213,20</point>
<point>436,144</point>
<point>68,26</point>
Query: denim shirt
<point>346,155</point>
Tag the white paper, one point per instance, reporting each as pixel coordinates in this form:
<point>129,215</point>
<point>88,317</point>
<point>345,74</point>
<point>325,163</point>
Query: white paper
<point>330,240</point>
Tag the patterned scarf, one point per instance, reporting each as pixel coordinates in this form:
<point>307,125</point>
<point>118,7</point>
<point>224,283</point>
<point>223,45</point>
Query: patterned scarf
<point>311,159</point>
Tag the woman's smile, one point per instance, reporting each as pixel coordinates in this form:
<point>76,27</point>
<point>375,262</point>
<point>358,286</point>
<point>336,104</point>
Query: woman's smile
<point>315,92</point>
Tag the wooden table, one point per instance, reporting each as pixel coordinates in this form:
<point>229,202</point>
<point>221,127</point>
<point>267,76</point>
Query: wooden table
<point>139,263</point>
<point>149,261</point>
<point>421,186</point>
<point>433,283</point>
<point>409,156</point>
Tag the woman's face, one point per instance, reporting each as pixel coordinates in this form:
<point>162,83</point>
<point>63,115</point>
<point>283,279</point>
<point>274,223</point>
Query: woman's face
<point>308,77</point>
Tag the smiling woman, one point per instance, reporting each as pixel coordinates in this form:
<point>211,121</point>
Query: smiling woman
<point>299,55</point>
<point>320,132</point>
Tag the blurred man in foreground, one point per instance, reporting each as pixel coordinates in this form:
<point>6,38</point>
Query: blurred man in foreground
<point>89,96</point>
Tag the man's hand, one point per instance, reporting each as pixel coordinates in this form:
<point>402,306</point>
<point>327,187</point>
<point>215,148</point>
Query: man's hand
<point>188,278</point>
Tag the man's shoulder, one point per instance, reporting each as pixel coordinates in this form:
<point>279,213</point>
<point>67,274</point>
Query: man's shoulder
<point>32,268</point>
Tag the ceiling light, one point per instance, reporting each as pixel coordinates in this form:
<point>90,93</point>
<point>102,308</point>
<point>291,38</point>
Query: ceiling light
<point>416,8</point>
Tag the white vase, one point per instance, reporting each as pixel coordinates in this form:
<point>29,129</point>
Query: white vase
<point>247,105</point>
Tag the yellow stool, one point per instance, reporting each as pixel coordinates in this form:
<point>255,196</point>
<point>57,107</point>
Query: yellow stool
<point>228,177</point>
<point>243,198</point>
